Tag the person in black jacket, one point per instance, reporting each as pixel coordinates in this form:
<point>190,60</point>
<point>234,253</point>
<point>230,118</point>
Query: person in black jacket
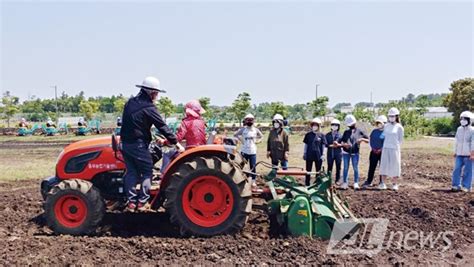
<point>314,148</point>
<point>139,115</point>
<point>333,139</point>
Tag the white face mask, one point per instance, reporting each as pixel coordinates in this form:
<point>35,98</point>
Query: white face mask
<point>334,127</point>
<point>315,128</point>
<point>276,125</point>
<point>464,122</point>
<point>391,119</point>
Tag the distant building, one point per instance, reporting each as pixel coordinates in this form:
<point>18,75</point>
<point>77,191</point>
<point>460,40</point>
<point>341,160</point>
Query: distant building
<point>347,109</point>
<point>437,112</point>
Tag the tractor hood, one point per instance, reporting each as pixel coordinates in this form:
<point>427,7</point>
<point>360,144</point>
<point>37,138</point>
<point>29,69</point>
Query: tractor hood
<point>89,143</point>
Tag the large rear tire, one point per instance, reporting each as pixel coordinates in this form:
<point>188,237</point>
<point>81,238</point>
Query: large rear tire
<point>208,196</point>
<point>74,207</point>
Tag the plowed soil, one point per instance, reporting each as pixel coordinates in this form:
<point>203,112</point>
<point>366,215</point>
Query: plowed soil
<point>423,204</point>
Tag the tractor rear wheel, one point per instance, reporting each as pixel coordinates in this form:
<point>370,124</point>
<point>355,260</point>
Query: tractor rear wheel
<point>74,207</point>
<point>208,196</point>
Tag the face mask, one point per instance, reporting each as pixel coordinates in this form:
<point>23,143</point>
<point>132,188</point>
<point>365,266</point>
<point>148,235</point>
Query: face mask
<point>391,119</point>
<point>276,125</point>
<point>334,127</point>
<point>464,122</point>
<point>315,128</point>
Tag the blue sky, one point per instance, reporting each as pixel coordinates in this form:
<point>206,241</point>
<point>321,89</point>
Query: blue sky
<point>277,51</point>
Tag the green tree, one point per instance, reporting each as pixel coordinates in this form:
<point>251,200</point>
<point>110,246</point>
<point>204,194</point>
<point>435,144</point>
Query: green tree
<point>319,106</point>
<point>166,106</point>
<point>278,108</point>
<point>88,108</point>
<point>362,114</point>
<point>119,104</point>
<point>241,105</point>
<point>461,97</point>
<point>9,106</point>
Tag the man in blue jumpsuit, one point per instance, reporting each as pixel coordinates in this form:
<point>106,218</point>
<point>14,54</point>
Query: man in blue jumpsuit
<point>139,115</point>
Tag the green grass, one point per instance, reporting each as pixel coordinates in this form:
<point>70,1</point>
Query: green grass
<point>43,138</point>
<point>27,163</point>
<point>23,162</point>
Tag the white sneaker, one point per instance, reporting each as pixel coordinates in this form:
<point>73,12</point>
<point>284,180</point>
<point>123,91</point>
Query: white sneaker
<point>356,186</point>
<point>382,186</point>
<point>466,190</point>
<point>395,187</point>
<point>344,186</point>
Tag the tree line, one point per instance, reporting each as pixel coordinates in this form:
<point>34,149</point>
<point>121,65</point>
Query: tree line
<point>412,107</point>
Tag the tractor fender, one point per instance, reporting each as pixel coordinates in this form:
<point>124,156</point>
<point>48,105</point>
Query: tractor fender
<point>222,151</point>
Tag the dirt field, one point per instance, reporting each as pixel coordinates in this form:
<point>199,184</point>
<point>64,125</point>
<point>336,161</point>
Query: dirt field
<point>423,204</point>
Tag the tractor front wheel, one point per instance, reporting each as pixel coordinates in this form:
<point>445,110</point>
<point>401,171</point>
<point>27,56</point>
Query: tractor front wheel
<point>208,196</point>
<point>74,207</point>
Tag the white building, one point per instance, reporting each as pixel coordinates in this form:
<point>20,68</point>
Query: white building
<point>437,112</point>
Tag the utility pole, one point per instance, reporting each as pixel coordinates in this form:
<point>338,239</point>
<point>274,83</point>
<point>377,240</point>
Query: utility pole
<point>317,85</point>
<point>56,98</point>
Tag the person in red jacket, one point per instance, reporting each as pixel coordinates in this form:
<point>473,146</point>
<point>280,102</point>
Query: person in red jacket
<point>193,127</point>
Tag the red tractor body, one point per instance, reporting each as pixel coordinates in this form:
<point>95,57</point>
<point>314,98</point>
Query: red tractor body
<point>203,189</point>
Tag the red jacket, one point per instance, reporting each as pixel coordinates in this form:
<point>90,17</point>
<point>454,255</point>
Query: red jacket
<point>193,130</point>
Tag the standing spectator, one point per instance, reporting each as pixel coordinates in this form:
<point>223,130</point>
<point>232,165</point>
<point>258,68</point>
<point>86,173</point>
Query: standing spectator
<point>390,163</point>
<point>376,145</point>
<point>250,136</point>
<point>463,154</point>
<point>334,149</point>
<point>351,140</point>
<point>314,148</point>
<point>278,147</point>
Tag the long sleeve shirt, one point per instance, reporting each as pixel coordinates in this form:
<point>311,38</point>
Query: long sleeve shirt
<point>464,141</point>
<point>139,115</point>
<point>393,135</point>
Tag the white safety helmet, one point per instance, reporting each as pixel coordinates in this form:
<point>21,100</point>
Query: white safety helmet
<point>350,120</point>
<point>249,116</point>
<point>393,112</point>
<point>382,119</point>
<point>335,121</point>
<point>151,83</point>
<point>316,121</point>
<point>278,117</point>
<point>466,114</point>
<point>23,120</point>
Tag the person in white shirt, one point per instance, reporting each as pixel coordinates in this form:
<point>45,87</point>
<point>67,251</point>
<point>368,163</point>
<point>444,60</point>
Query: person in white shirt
<point>390,163</point>
<point>250,136</point>
<point>463,154</point>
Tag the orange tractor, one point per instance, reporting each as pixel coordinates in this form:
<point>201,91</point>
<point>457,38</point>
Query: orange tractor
<point>204,189</point>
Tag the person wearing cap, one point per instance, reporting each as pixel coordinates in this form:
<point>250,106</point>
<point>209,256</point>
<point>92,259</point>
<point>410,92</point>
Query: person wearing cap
<point>192,127</point>
<point>334,151</point>
<point>463,154</point>
<point>139,115</point>
<point>81,123</point>
<point>376,145</point>
<point>314,148</point>
<point>250,136</point>
<point>278,147</point>
<point>351,140</point>
<point>23,124</point>
<point>390,162</point>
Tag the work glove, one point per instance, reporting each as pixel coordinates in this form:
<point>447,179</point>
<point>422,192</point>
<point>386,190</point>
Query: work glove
<point>323,158</point>
<point>180,148</point>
